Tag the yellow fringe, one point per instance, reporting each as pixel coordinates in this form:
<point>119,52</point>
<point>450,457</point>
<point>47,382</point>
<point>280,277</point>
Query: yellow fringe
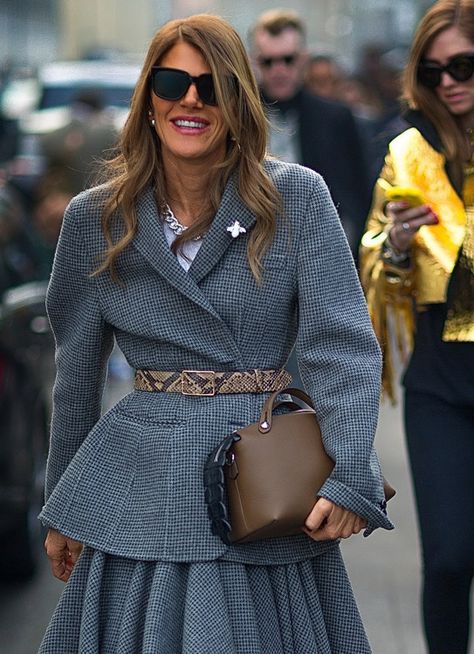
<point>391,308</point>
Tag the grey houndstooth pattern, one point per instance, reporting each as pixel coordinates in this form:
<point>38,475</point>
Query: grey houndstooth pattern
<point>206,608</point>
<point>130,482</point>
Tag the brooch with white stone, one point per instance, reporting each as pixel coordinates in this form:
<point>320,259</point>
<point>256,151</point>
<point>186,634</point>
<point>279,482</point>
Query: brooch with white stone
<point>236,229</point>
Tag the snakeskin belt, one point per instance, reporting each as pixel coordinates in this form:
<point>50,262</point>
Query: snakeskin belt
<point>208,382</point>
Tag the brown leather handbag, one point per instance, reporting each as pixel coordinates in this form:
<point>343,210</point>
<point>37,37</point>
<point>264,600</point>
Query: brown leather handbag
<point>262,480</point>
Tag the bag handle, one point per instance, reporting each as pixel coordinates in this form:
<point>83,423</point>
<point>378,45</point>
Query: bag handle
<point>266,416</point>
<point>265,424</point>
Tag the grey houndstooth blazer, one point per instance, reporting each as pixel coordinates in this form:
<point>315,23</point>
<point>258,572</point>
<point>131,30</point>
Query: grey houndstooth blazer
<point>130,482</point>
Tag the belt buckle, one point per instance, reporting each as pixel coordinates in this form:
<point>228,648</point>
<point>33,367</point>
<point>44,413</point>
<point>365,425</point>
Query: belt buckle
<point>187,382</point>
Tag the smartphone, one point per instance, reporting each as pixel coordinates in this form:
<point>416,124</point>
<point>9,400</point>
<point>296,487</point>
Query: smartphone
<point>405,194</point>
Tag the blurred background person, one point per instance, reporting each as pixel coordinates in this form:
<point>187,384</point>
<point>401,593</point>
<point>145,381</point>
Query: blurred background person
<point>308,129</point>
<point>378,79</point>
<point>50,202</point>
<point>360,97</point>
<point>323,76</point>
<point>380,68</point>
<point>392,65</point>
<point>390,121</point>
<point>71,155</point>
<point>417,267</point>
<point>305,128</point>
<point>367,111</point>
<point>9,137</point>
<point>73,152</point>
<point>9,132</point>
<point>26,363</point>
<point>370,69</point>
<point>19,262</point>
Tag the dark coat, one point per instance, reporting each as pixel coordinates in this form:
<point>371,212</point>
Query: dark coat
<point>330,144</point>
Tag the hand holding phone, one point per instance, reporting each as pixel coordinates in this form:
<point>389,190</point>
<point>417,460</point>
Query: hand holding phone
<point>409,194</point>
<point>407,220</point>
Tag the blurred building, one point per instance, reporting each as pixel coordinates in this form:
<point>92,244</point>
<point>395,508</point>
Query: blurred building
<point>36,31</point>
<point>28,31</point>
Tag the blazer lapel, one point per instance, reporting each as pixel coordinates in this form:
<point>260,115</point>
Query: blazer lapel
<point>219,238</point>
<point>151,242</point>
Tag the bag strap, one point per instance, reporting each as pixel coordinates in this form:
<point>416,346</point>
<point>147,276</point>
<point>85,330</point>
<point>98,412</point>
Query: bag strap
<point>266,416</point>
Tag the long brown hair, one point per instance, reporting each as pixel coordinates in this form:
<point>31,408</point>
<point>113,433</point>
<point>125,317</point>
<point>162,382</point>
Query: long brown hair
<point>139,163</point>
<point>440,17</point>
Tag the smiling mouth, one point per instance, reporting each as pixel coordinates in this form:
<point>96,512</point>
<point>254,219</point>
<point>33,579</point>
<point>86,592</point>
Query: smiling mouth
<point>190,124</point>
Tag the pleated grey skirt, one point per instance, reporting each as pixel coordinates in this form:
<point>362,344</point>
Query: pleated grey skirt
<point>113,605</point>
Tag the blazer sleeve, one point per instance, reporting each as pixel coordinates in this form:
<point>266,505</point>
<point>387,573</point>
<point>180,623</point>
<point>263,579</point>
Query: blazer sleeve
<point>83,344</point>
<point>339,360</point>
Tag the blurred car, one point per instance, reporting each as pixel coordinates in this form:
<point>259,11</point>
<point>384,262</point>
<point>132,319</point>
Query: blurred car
<point>26,374</point>
<point>60,81</point>
<point>57,86</point>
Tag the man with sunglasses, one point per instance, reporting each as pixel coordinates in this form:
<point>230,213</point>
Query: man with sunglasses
<point>307,129</point>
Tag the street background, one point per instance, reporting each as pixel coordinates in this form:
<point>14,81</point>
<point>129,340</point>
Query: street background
<point>384,568</point>
<point>38,31</point>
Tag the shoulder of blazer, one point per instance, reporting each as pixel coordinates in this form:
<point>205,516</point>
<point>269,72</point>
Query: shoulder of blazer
<point>302,190</point>
<point>91,199</point>
<point>292,178</point>
<point>85,211</point>
<point>285,174</point>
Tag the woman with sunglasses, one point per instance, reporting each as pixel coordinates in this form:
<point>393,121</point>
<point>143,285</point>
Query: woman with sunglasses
<point>203,258</point>
<point>417,266</point>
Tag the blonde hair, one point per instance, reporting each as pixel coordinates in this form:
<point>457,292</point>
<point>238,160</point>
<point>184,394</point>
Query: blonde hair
<point>276,21</point>
<point>139,163</point>
<point>440,17</point>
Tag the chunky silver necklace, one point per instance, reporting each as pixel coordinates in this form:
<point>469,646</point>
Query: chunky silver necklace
<point>174,223</point>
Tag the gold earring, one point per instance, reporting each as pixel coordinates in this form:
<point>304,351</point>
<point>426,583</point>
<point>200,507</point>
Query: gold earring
<point>151,119</point>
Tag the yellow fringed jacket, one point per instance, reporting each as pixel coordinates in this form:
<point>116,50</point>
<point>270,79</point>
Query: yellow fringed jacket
<point>394,292</point>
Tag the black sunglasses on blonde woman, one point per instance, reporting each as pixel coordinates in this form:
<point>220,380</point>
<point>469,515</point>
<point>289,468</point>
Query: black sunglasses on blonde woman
<point>460,68</point>
<point>172,84</point>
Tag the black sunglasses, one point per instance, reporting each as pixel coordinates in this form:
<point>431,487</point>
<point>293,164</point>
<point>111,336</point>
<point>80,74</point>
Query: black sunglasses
<point>173,84</point>
<point>460,68</point>
<point>267,62</point>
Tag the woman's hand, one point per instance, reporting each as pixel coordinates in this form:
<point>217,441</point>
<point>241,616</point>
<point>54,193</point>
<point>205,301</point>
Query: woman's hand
<point>406,221</point>
<point>62,552</point>
<point>328,521</point>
